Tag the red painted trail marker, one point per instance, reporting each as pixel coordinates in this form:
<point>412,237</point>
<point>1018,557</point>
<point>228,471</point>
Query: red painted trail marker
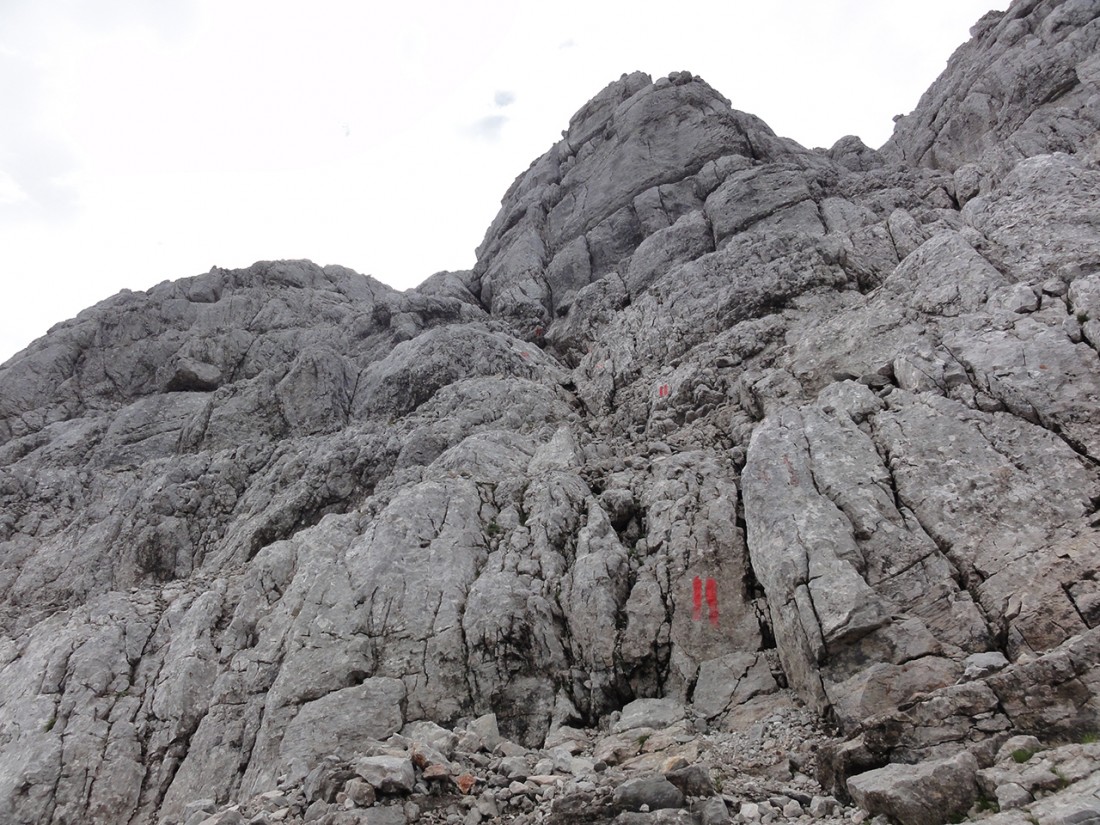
<point>697,600</point>
<point>662,391</point>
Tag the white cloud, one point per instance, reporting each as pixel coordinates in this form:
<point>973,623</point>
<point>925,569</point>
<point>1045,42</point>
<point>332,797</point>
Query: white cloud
<point>35,160</point>
<point>11,193</point>
<point>488,127</point>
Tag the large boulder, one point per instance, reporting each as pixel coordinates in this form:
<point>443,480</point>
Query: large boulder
<point>927,793</point>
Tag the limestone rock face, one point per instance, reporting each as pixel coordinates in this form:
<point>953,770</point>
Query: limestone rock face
<point>712,416</point>
<point>635,160</point>
<point>1024,85</point>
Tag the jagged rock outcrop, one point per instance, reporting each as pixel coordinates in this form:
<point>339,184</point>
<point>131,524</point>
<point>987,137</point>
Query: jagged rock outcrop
<point>712,415</point>
<point>1023,86</point>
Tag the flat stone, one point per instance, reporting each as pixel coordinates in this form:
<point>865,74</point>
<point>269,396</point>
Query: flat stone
<point>653,791</point>
<point>360,792</point>
<point>485,728</point>
<point>715,812</point>
<point>921,794</point>
<point>229,817</point>
<point>982,664</point>
<point>692,780</point>
<point>649,713</point>
<point>387,774</point>
<point>1011,795</point>
<point>822,806</point>
<point>384,815</point>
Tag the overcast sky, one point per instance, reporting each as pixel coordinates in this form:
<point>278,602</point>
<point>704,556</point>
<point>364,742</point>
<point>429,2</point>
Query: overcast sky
<point>144,141</point>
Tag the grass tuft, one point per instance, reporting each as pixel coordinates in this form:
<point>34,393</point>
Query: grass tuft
<point>1021,755</point>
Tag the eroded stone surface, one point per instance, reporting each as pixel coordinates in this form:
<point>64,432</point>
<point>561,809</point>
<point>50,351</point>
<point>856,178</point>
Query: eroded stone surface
<point>713,414</point>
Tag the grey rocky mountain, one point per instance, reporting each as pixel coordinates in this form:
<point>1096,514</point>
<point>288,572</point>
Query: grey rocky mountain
<point>715,418</point>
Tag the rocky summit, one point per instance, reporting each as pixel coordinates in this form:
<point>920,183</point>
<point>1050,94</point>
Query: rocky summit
<point>737,481</point>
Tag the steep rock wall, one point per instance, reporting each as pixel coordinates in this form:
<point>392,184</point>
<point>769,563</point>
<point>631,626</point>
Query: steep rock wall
<point>706,394</point>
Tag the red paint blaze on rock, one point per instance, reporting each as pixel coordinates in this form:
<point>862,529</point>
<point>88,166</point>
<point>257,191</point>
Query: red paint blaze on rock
<point>712,601</point>
<point>697,600</point>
